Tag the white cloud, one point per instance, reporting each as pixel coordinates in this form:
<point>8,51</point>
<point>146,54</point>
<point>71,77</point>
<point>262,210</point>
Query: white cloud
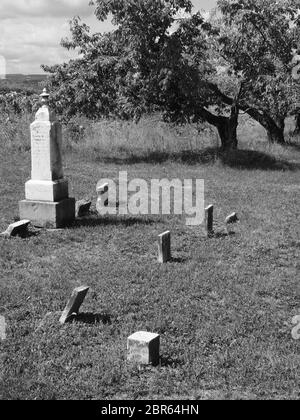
<point>31,31</point>
<point>44,8</point>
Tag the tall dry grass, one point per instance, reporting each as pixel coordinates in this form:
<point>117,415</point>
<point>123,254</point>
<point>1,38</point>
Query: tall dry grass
<point>106,140</point>
<point>149,140</point>
<point>153,140</point>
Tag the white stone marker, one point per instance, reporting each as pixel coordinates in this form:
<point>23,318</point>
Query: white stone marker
<point>143,348</point>
<point>209,220</point>
<point>102,200</point>
<point>164,247</point>
<point>231,220</point>
<point>18,228</point>
<point>47,201</point>
<point>74,303</point>
<point>2,328</point>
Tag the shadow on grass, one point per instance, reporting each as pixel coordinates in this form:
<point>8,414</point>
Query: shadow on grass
<point>222,235</point>
<point>239,159</point>
<point>185,156</point>
<point>91,319</point>
<point>294,144</point>
<point>30,234</point>
<point>178,260</point>
<point>93,221</point>
<point>21,235</point>
<point>166,361</point>
<point>251,159</point>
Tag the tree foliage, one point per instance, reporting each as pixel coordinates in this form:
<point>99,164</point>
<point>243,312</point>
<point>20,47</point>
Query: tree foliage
<point>187,68</point>
<point>257,40</point>
<point>17,103</point>
<point>141,66</point>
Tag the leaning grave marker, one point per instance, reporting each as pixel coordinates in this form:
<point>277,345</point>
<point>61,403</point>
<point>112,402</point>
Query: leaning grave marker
<point>15,229</point>
<point>74,303</point>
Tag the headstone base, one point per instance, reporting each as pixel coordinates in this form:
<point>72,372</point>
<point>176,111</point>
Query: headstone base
<point>46,190</point>
<point>50,215</point>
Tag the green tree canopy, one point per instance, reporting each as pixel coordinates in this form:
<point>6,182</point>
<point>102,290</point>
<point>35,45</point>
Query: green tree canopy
<point>186,68</point>
<point>257,41</point>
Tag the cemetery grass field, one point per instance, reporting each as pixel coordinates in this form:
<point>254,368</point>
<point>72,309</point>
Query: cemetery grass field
<point>223,306</point>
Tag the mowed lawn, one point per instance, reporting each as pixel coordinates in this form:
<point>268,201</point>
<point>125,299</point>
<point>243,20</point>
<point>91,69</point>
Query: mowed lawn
<point>224,306</point>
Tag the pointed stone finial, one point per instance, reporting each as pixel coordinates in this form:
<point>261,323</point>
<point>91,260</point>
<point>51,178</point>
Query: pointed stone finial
<point>45,97</point>
<point>45,113</point>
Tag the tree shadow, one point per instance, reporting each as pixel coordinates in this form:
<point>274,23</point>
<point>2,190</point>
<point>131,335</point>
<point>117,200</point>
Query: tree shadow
<point>91,319</point>
<point>251,159</point>
<point>294,145</point>
<point>94,221</point>
<point>239,159</point>
<point>185,156</point>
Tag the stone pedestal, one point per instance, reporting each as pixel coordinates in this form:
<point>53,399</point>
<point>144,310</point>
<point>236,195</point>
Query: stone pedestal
<point>47,202</point>
<point>50,215</point>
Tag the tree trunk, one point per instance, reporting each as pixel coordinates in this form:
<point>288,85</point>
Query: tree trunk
<point>228,135</point>
<point>228,129</point>
<point>226,126</point>
<point>275,128</point>
<point>275,131</point>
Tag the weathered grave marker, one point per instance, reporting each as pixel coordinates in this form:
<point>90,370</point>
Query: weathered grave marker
<point>83,208</point>
<point>102,201</point>
<point>164,247</point>
<point>209,220</point>
<point>47,201</point>
<point>2,328</point>
<point>74,303</point>
<point>18,228</point>
<point>143,348</point>
<point>231,220</point>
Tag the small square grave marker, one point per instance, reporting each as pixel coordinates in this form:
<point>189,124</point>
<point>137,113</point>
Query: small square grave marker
<point>74,304</point>
<point>18,228</point>
<point>143,348</point>
<point>164,247</point>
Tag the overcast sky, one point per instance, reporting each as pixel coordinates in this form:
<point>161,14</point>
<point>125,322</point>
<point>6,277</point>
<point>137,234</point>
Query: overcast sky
<point>31,30</point>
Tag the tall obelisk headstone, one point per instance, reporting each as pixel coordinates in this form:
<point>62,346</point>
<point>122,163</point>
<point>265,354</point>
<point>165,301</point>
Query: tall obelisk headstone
<point>47,201</point>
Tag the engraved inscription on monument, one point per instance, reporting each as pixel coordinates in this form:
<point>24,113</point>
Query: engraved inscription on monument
<point>40,150</point>
<point>46,151</point>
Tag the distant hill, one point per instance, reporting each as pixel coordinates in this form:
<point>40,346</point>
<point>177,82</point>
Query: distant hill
<point>30,83</point>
